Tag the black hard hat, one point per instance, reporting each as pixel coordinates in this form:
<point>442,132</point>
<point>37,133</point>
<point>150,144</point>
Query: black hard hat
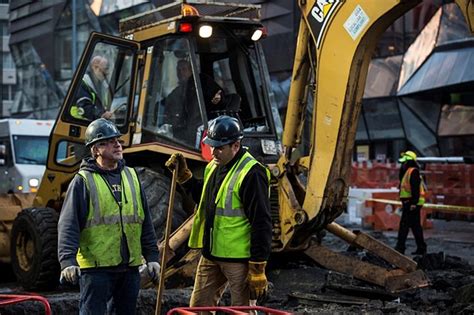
<point>101,129</point>
<point>223,130</point>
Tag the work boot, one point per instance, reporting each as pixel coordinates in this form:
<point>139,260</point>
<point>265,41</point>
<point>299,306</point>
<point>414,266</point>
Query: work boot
<point>421,252</point>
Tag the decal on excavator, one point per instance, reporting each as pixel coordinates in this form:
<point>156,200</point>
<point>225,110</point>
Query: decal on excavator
<point>320,15</point>
<point>356,22</point>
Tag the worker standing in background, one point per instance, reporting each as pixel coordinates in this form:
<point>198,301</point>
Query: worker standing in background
<point>412,196</point>
<point>232,225</point>
<point>105,227</point>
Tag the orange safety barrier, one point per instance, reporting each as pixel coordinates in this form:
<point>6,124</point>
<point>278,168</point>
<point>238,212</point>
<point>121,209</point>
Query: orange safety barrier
<point>448,184</point>
<point>7,299</point>
<point>374,175</point>
<point>385,216</point>
<point>236,310</point>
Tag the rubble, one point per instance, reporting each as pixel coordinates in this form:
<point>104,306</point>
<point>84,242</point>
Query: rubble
<point>299,285</point>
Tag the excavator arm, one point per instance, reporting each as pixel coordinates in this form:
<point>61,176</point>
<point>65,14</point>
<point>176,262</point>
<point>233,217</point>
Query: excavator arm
<point>334,48</point>
<point>335,44</point>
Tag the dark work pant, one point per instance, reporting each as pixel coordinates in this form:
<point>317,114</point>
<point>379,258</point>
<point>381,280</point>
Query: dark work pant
<point>119,289</point>
<point>410,220</point>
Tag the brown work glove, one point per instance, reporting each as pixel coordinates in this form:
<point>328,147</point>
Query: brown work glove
<point>184,173</point>
<point>257,280</point>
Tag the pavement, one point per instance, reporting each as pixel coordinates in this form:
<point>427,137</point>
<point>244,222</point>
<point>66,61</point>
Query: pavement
<point>455,238</point>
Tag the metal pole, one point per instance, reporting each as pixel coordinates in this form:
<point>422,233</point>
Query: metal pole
<point>74,36</point>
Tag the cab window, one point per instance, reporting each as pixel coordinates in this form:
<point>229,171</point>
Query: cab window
<point>104,87</point>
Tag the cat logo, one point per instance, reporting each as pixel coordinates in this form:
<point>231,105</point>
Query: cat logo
<point>320,15</point>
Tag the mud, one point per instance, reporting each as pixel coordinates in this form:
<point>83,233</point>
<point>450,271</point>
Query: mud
<point>299,285</point>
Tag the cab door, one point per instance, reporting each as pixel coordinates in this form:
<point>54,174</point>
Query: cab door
<point>103,86</point>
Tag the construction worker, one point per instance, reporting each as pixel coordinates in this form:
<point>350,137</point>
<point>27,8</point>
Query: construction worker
<point>412,196</point>
<point>181,107</point>
<point>105,227</point>
<point>232,225</point>
<point>93,95</point>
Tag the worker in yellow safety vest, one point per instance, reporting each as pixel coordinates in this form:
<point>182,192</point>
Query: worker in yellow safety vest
<point>232,226</point>
<point>93,95</point>
<point>105,228</point>
<point>412,196</point>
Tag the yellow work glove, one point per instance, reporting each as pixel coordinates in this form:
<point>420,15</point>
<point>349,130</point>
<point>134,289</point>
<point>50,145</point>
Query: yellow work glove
<point>257,280</point>
<point>184,173</point>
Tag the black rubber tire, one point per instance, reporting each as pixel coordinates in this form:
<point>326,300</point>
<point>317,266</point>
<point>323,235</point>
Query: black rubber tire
<point>157,191</point>
<point>33,248</point>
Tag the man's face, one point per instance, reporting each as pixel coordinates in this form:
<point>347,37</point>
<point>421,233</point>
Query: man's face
<point>183,71</point>
<point>224,154</point>
<point>101,69</point>
<point>110,149</point>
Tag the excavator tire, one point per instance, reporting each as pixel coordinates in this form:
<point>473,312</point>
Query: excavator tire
<point>33,244</point>
<point>157,190</point>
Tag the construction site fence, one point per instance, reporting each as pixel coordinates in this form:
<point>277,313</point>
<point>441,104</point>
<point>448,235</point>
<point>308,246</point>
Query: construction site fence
<point>451,185</point>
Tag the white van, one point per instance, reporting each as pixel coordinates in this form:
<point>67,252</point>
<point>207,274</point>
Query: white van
<point>23,153</point>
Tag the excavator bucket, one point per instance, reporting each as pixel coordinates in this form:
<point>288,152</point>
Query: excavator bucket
<point>403,276</point>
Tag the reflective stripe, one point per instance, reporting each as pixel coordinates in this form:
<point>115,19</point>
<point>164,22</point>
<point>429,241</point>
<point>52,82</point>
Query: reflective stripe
<point>94,196</point>
<point>112,219</point>
<point>134,192</point>
<point>97,219</point>
<point>239,212</point>
<point>230,189</point>
<point>85,98</point>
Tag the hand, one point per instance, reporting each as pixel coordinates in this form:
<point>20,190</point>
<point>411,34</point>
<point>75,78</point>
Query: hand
<point>412,207</point>
<point>184,173</point>
<point>217,98</point>
<point>107,115</point>
<point>257,280</point>
<point>70,274</point>
<point>153,269</point>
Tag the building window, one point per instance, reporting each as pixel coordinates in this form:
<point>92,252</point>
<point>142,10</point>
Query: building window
<point>4,27</point>
<point>7,61</point>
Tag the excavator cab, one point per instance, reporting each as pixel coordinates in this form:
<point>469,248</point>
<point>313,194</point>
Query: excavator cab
<point>163,81</point>
<point>193,80</point>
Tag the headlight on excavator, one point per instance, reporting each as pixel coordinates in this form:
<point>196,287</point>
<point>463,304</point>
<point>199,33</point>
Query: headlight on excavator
<point>33,183</point>
<point>205,31</point>
<point>257,34</point>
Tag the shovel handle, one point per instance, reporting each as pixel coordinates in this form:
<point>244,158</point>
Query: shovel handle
<point>169,218</point>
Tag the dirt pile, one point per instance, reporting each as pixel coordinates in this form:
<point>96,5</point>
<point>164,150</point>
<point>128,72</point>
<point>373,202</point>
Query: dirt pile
<point>304,288</point>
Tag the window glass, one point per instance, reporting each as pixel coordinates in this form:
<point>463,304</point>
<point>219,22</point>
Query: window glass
<point>361,133</point>
<point>30,149</point>
<point>427,110</point>
<point>3,28</point>
<point>70,153</point>
<point>230,82</point>
<point>456,146</point>
<point>417,133</point>
<point>172,103</point>
<point>383,119</point>
<point>456,120</point>
<point>105,86</point>
<point>7,61</point>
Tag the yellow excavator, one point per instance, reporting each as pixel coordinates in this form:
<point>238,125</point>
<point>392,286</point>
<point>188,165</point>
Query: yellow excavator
<point>218,44</point>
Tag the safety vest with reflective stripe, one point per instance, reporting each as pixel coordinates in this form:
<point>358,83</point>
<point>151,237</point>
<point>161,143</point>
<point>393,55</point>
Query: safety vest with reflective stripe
<point>100,240</point>
<point>405,187</point>
<point>78,111</point>
<point>230,234</point>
